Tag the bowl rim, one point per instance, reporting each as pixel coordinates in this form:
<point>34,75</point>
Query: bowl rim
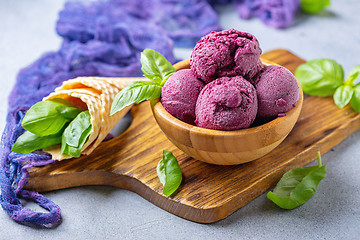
<point>157,106</point>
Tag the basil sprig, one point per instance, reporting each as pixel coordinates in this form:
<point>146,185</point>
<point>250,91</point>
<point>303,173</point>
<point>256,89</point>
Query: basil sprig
<point>325,77</point>
<point>76,134</point>
<point>169,173</point>
<point>49,117</point>
<point>314,6</point>
<point>52,122</point>
<point>135,92</point>
<point>156,68</point>
<point>297,186</point>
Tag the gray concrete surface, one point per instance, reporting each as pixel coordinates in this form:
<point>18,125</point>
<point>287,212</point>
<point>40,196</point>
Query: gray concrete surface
<point>27,30</point>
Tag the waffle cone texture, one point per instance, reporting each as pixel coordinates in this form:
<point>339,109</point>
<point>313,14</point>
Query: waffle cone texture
<point>95,94</point>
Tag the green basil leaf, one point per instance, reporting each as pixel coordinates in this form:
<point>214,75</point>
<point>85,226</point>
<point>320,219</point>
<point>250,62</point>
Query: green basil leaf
<point>74,151</point>
<point>49,117</point>
<point>169,173</point>
<point>29,142</point>
<point>76,128</point>
<point>297,186</point>
<point>160,170</point>
<point>355,100</point>
<point>155,66</point>
<point>43,119</point>
<point>353,75</point>
<point>320,77</point>
<point>66,109</point>
<point>314,6</point>
<point>343,95</point>
<point>76,134</point>
<point>135,92</point>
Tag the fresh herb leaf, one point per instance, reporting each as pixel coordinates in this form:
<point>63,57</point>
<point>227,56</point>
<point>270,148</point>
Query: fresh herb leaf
<point>135,92</point>
<point>323,77</point>
<point>74,131</point>
<point>76,134</point>
<point>297,186</point>
<point>66,109</point>
<point>169,173</point>
<point>48,117</point>
<point>43,119</point>
<point>353,75</point>
<point>314,6</point>
<point>355,100</point>
<point>75,151</point>
<point>29,142</point>
<point>320,77</point>
<point>155,66</point>
<point>343,95</point>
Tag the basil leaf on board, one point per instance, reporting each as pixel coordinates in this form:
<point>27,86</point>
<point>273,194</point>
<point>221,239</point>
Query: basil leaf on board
<point>297,185</point>
<point>135,92</point>
<point>314,6</point>
<point>76,134</point>
<point>353,75</point>
<point>169,173</point>
<point>155,66</point>
<point>29,142</point>
<point>320,77</point>
<point>355,100</point>
<point>343,95</point>
<point>48,117</point>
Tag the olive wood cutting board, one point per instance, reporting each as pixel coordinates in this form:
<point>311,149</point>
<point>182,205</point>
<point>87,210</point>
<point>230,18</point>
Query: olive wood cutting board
<point>208,192</point>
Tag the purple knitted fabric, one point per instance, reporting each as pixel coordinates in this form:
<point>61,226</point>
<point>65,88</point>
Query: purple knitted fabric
<point>275,13</point>
<point>184,21</point>
<point>214,2</point>
<point>101,38</point>
<point>13,173</point>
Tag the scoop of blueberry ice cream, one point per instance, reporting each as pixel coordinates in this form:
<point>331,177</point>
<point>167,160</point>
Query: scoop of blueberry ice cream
<point>226,54</point>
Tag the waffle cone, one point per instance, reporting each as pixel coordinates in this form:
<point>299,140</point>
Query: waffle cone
<point>95,94</point>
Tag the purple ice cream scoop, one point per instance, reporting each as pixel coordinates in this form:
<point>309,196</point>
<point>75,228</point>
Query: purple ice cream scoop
<point>277,91</point>
<point>227,103</point>
<point>226,54</point>
<point>179,95</point>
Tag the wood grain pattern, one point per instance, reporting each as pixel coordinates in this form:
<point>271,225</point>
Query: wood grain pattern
<point>208,192</point>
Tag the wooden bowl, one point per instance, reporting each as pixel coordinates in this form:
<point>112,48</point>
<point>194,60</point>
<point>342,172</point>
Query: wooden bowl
<point>225,147</point>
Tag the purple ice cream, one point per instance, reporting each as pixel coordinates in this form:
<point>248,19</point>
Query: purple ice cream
<point>277,91</point>
<point>226,54</point>
<point>180,93</point>
<point>227,103</point>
